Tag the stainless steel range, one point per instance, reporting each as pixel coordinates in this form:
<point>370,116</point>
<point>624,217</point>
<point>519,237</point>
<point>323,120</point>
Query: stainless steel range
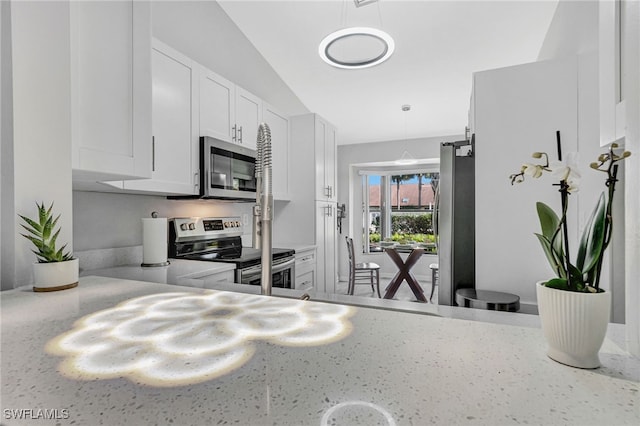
<point>219,240</point>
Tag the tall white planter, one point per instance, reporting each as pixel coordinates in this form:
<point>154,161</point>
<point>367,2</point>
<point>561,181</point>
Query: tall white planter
<point>574,324</point>
<point>55,276</point>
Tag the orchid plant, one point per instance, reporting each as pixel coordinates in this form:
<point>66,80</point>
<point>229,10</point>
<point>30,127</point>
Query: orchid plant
<point>583,275</point>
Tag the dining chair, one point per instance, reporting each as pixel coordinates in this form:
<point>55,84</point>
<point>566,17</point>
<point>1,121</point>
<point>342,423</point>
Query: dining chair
<point>434,278</point>
<point>361,273</point>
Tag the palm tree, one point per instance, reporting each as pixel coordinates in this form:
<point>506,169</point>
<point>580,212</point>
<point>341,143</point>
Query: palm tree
<point>420,175</point>
<point>398,179</point>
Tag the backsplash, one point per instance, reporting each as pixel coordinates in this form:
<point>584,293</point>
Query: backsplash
<point>109,257</point>
<point>111,220</point>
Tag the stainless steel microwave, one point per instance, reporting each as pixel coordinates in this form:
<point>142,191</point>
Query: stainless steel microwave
<point>227,170</point>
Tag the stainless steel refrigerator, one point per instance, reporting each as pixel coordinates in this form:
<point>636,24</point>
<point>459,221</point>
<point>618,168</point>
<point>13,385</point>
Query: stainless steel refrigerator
<point>455,219</point>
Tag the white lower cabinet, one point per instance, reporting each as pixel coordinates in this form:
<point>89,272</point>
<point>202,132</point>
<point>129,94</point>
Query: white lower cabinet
<point>305,278</point>
<point>207,281</point>
<point>326,230</point>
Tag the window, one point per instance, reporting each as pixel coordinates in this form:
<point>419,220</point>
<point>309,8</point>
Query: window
<point>398,206</point>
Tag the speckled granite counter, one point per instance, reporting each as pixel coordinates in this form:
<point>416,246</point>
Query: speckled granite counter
<point>118,352</point>
<point>178,272</point>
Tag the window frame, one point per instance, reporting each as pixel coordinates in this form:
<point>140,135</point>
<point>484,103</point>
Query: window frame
<point>385,174</point>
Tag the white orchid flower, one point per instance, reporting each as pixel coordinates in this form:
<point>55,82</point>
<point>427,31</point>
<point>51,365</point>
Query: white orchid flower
<point>567,171</point>
<point>533,170</point>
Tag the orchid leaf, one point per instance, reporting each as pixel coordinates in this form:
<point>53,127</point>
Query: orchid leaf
<point>576,279</point>
<point>558,283</point>
<point>551,255</point>
<point>592,241</point>
<point>549,223</point>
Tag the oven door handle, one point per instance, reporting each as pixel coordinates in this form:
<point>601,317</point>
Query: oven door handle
<point>277,267</point>
<point>255,271</point>
<point>250,272</point>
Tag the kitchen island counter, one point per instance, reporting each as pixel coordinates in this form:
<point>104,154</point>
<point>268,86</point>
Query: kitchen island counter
<point>118,352</point>
<point>177,272</point>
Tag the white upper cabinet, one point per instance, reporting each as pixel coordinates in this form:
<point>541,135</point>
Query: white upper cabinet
<point>228,112</point>
<point>325,154</point>
<point>217,115</point>
<point>110,90</point>
<point>248,118</point>
<point>612,106</point>
<point>279,125</point>
<point>175,134</point>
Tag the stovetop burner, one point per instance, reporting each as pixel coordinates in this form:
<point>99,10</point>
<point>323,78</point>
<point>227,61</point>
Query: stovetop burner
<point>248,256</point>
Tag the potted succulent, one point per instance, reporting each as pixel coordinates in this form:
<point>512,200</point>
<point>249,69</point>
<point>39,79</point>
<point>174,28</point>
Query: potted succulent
<point>55,269</point>
<point>574,310</point>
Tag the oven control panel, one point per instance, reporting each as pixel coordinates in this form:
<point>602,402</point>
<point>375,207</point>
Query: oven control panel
<point>204,227</point>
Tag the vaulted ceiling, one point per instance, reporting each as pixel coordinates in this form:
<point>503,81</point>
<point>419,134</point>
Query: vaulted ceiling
<point>438,46</point>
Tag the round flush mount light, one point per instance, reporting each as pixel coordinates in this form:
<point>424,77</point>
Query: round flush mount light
<point>356,47</point>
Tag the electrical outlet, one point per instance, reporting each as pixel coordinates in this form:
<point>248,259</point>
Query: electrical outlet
<point>245,219</point>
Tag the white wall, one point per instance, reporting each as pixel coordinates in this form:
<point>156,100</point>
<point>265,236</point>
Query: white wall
<point>350,194</point>
<point>41,112</point>
<point>7,216</point>
<point>204,32</point>
<point>631,94</point>
<point>517,111</point>
<point>573,30</point>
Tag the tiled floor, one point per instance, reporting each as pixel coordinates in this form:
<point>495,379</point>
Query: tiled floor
<point>403,293</point>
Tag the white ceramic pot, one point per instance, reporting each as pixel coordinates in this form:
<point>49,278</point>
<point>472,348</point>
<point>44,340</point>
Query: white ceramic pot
<point>574,324</point>
<point>55,276</point>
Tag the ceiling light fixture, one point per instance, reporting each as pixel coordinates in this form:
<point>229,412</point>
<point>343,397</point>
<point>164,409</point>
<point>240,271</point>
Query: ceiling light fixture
<point>406,159</point>
<point>356,47</point>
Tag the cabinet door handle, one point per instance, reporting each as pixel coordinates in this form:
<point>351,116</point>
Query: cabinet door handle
<point>153,153</point>
<point>234,133</point>
<point>196,180</point>
<point>240,134</point>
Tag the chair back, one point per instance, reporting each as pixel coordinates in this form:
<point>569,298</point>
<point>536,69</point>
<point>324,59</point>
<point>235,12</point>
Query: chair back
<point>352,256</point>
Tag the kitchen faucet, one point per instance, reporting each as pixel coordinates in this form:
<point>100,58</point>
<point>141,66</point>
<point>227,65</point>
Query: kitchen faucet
<point>263,210</point>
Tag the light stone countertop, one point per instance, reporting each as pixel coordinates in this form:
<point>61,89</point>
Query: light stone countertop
<point>121,352</point>
<point>178,272</point>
